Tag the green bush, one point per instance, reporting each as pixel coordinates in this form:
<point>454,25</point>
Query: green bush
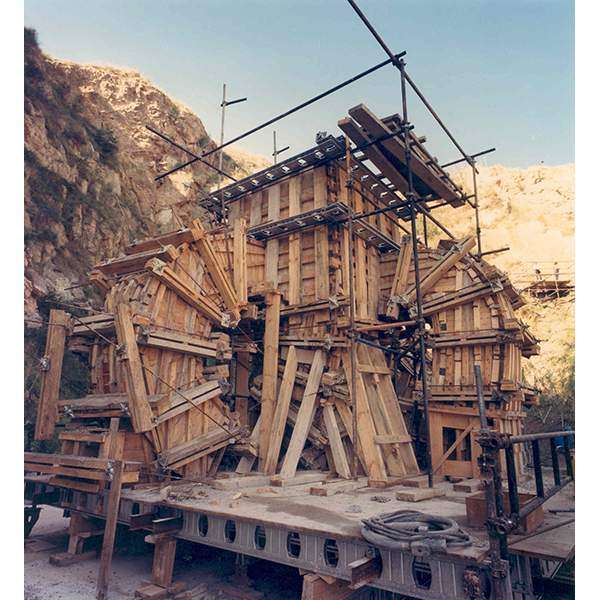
<point>105,142</point>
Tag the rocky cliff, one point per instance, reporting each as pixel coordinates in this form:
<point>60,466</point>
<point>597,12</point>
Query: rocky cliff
<point>90,165</point>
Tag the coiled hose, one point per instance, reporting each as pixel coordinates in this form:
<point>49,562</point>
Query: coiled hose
<point>412,530</point>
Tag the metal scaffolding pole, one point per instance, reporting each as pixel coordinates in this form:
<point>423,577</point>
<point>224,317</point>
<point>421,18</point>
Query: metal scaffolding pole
<point>414,206</point>
<point>351,298</point>
<point>287,113</point>
<point>476,208</point>
<point>415,249</point>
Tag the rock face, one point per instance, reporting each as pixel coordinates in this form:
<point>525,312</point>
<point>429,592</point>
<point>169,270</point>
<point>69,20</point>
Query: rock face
<point>90,165</point>
<point>533,212</point>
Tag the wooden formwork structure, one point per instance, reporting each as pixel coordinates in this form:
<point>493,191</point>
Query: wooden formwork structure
<point>283,334</point>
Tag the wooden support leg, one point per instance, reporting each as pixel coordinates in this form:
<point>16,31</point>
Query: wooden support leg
<point>164,559</point>
<point>78,524</point>
<point>315,588</point>
<point>110,529</point>
<point>80,529</point>
<point>47,412</point>
<point>270,363</point>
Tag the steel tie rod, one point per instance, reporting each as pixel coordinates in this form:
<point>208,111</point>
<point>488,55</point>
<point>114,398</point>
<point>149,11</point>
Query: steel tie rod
<point>339,86</point>
<point>412,84</point>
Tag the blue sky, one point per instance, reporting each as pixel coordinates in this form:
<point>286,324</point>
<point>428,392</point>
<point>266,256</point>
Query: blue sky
<point>499,72</point>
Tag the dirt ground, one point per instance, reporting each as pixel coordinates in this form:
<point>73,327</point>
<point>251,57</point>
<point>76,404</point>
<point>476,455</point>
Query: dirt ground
<point>210,571</point>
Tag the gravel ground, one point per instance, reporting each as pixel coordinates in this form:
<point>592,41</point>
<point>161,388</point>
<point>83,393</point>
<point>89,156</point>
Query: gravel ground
<point>197,566</point>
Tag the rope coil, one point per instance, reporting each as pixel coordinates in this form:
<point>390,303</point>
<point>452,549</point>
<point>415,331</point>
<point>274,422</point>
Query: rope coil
<point>412,530</point>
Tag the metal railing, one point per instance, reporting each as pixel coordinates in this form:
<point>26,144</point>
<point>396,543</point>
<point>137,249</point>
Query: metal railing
<point>493,443</point>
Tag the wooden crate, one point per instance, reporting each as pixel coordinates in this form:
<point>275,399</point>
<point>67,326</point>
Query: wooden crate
<point>477,514</point>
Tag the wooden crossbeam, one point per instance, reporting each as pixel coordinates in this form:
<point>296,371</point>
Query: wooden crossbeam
<point>199,446</point>
<point>187,343</point>
<point>175,238</point>
<point>47,411</point>
<point>195,396</point>
<point>136,262</point>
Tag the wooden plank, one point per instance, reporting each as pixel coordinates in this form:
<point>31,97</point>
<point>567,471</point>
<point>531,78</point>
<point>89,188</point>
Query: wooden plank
<point>139,407</point>
<point>444,264</point>
<point>316,588</point>
<point>294,258</point>
<point>281,411</point>
<point>353,131</point>
<point>136,262</point>
<point>400,277</point>
<point>205,246</point>
<point>163,561</point>
<point>555,543</point>
<point>321,236</point>
<point>306,414</point>
<point>202,304</point>
<point>76,484</point>
<point>240,265</point>
<point>175,238</point>
<point>372,457</point>
<point>196,396</point>
<point>47,410</point>
<point>272,249</point>
<point>396,149</point>
<point>270,362</point>
<point>340,460</point>
<point>395,418</point>
<point>110,529</point>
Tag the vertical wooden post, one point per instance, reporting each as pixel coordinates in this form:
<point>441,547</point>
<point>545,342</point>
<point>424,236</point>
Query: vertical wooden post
<point>240,269</point>
<point>110,529</point>
<point>281,411</point>
<point>270,362</point>
<point>139,407</point>
<point>272,249</point>
<point>294,258</point>
<point>47,413</point>
<point>242,392</point>
<point>321,237</point>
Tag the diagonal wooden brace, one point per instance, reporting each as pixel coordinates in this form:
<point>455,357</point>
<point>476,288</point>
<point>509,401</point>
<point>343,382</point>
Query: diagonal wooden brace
<point>202,304</point>
<point>139,407</point>
<point>217,273</point>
